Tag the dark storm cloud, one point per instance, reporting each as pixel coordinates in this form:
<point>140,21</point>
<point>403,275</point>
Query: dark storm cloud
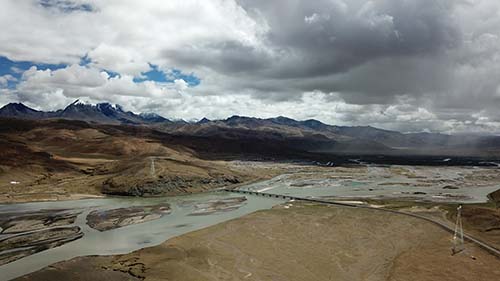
<point>324,37</point>
<point>369,51</point>
<point>378,81</point>
<point>230,57</point>
<point>331,36</point>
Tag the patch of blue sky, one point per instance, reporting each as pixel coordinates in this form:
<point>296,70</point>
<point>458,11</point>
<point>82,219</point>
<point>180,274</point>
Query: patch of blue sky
<point>17,68</point>
<point>158,75</point>
<point>191,79</point>
<point>85,60</point>
<point>66,6</point>
<point>112,74</point>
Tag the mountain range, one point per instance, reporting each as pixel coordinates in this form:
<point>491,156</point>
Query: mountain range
<point>308,135</point>
<point>104,113</point>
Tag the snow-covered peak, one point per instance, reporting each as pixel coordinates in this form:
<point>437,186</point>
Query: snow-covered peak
<point>80,102</point>
<point>153,117</point>
<point>103,106</point>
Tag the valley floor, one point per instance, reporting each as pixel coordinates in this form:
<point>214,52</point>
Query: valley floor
<point>296,241</point>
<point>300,242</point>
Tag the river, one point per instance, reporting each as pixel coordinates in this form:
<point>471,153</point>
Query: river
<point>372,183</point>
<point>129,238</point>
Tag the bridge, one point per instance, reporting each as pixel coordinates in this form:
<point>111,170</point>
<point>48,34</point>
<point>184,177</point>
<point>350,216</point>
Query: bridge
<point>288,197</point>
<point>489,248</point>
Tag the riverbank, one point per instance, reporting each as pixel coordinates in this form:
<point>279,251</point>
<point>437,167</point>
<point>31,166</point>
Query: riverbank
<point>113,226</point>
<point>295,241</point>
<point>66,160</point>
<point>68,186</point>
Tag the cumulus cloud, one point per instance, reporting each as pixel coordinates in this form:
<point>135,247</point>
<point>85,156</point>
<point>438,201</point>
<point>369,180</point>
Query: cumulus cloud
<point>5,79</point>
<point>180,84</point>
<point>407,65</point>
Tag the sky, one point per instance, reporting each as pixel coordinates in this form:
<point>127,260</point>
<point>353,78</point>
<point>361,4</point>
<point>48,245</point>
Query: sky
<point>406,65</point>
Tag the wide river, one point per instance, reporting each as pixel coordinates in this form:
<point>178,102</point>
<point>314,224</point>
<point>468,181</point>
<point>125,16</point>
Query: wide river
<point>129,238</point>
<point>179,221</point>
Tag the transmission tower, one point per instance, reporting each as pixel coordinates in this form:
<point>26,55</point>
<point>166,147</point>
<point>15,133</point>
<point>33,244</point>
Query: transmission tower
<point>153,172</point>
<point>458,236</point>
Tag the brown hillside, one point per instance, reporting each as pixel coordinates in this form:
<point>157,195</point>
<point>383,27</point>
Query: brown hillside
<point>58,159</point>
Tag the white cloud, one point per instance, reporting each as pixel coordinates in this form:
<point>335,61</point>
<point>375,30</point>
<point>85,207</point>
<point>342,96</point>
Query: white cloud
<point>180,84</point>
<point>6,78</point>
<point>16,70</point>
<point>405,65</point>
<point>121,35</point>
<point>46,89</point>
<point>79,81</point>
<point>118,59</point>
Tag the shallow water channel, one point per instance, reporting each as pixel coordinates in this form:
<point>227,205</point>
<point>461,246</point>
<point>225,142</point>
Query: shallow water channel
<point>129,238</point>
<point>373,186</point>
<point>186,216</point>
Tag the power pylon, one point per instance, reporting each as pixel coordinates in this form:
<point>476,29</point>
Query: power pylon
<point>458,236</point>
<point>153,171</point>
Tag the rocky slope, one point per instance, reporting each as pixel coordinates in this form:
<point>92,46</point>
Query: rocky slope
<point>56,158</point>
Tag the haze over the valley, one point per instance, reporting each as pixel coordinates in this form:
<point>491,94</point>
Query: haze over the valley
<point>410,66</point>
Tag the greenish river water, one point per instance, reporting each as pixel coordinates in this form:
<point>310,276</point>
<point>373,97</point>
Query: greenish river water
<point>129,238</point>
<point>375,183</point>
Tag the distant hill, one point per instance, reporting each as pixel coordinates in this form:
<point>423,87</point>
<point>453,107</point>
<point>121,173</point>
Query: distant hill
<point>315,136</point>
<point>19,110</point>
<point>153,118</point>
<point>308,135</point>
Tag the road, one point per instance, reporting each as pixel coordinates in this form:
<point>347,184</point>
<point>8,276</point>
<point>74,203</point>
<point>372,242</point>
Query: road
<point>489,248</point>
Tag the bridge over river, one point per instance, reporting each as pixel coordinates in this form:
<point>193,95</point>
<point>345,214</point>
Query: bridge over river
<point>489,248</point>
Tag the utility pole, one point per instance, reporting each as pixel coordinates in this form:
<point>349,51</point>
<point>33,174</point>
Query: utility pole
<point>458,236</point>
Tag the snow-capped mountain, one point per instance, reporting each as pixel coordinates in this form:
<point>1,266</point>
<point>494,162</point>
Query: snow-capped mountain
<point>100,113</point>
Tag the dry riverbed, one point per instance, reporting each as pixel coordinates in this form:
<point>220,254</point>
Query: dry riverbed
<point>103,220</point>
<point>214,206</point>
<point>24,234</point>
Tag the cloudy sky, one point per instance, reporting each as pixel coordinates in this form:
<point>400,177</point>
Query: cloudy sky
<point>408,65</point>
